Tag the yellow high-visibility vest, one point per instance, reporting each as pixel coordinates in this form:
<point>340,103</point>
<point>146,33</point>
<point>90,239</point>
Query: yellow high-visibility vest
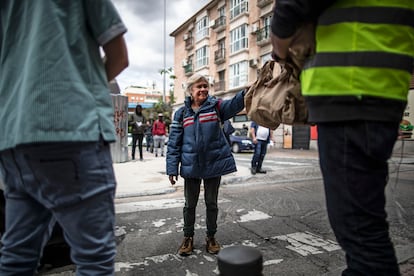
<point>363,48</point>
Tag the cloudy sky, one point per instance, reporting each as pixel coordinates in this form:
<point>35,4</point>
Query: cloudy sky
<point>145,22</point>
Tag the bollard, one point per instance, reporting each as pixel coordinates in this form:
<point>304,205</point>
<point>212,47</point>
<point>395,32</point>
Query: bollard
<point>240,260</point>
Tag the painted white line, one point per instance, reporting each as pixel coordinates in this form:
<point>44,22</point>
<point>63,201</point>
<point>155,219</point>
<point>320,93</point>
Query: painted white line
<point>158,204</point>
<point>272,262</point>
<point>275,162</point>
<point>159,223</point>
<point>189,273</point>
<point>306,243</point>
<point>254,215</point>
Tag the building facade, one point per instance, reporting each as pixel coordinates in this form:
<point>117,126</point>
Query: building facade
<point>145,96</point>
<point>228,41</point>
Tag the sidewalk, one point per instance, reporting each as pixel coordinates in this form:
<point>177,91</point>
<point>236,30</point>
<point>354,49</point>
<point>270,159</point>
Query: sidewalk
<point>143,178</point>
<point>147,177</point>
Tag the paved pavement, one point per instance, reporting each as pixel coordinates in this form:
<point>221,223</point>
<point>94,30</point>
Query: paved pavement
<point>147,177</point>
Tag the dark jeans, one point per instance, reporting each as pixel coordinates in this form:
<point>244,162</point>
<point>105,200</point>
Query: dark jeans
<point>150,142</point>
<point>191,193</point>
<point>135,138</point>
<point>70,182</point>
<point>353,159</point>
<point>260,150</point>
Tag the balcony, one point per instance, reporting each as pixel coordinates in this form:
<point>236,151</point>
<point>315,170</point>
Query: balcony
<point>188,69</point>
<point>263,3</point>
<point>220,86</point>
<point>189,43</point>
<point>219,24</point>
<point>263,36</point>
<point>220,56</point>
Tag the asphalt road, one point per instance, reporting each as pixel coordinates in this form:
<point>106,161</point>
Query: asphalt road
<point>282,214</point>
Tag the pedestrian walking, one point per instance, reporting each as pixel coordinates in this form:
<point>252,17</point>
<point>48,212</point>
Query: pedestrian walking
<point>57,123</point>
<point>261,137</point>
<point>356,88</point>
<point>198,151</point>
<point>159,131</point>
<point>148,137</point>
<point>137,122</point>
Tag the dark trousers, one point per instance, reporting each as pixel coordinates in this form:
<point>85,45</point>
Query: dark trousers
<point>150,143</point>
<point>135,138</point>
<point>353,159</point>
<point>191,193</point>
<point>71,182</point>
<point>260,150</point>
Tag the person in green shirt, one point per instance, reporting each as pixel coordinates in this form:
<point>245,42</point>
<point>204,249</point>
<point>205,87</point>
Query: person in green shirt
<point>57,123</point>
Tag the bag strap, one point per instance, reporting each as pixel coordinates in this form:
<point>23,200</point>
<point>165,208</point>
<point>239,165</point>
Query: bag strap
<point>217,108</point>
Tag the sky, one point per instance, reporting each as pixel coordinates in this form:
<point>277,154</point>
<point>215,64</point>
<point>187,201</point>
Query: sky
<point>145,37</point>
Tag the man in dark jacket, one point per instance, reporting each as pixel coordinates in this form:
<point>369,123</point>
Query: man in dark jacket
<point>356,89</point>
<point>138,123</point>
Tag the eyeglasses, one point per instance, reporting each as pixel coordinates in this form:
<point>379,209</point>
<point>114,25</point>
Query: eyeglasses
<point>202,86</point>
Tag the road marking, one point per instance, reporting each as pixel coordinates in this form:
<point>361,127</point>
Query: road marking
<point>272,262</point>
<point>306,243</point>
<point>189,273</point>
<point>254,215</point>
<point>159,204</point>
<point>197,255</point>
<point>159,223</point>
<point>275,162</point>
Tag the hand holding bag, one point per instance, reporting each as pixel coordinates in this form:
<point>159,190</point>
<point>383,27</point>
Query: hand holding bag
<point>275,97</point>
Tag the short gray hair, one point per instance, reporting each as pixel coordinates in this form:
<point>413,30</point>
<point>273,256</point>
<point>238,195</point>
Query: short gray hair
<point>193,79</point>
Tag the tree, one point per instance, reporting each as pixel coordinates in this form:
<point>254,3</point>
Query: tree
<point>171,76</point>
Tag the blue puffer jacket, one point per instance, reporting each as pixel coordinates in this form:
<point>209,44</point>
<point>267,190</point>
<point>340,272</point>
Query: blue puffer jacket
<point>197,141</point>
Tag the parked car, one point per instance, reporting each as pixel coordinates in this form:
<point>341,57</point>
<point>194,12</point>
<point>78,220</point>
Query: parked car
<point>239,141</point>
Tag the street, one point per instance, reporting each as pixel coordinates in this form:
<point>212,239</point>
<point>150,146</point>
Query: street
<point>281,213</point>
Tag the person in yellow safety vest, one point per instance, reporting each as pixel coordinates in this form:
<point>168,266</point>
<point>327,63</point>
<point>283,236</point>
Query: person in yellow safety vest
<point>356,88</point>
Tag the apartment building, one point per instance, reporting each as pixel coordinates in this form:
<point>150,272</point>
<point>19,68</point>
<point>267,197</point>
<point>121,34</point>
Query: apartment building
<point>228,40</point>
<point>145,96</point>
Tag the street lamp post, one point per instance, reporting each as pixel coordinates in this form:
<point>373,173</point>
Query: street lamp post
<point>165,50</point>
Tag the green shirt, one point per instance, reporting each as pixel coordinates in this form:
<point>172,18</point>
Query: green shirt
<point>53,86</point>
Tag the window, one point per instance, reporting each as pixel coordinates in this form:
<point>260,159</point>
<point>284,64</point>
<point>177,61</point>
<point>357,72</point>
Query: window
<point>237,7</point>
<point>238,74</point>
<point>202,57</point>
<point>267,20</point>
<point>222,11</point>
<point>239,38</point>
<point>220,85</point>
<point>265,31</point>
<point>266,57</point>
<point>202,28</point>
<point>240,118</point>
<point>222,47</point>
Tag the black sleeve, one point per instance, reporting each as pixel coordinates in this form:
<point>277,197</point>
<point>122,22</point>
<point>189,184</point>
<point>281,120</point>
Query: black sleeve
<point>288,15</point>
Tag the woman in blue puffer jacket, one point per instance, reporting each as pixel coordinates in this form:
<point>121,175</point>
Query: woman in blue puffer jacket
<point>197,142</point>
